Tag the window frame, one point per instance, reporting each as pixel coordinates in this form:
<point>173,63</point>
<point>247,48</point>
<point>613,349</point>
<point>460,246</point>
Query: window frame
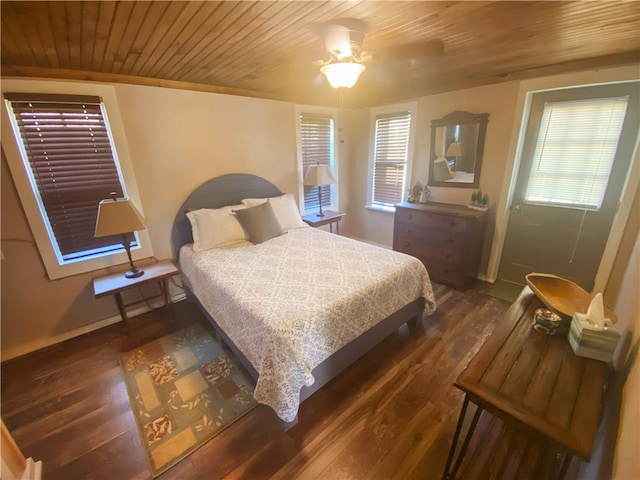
<point>21,177</point>
<point>387,110</point>
<point>333,165</point>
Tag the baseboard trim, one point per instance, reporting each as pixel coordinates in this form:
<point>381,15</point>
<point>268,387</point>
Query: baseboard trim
<point>8,354</point>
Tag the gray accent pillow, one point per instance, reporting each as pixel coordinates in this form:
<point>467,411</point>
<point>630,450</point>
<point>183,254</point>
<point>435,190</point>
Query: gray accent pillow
<point>259,223</point>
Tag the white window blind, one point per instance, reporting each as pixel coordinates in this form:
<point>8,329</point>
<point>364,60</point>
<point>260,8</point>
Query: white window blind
<point>316,144</point>
<point>391,150</point>
<point>67,149</point>
<point>574,153</point>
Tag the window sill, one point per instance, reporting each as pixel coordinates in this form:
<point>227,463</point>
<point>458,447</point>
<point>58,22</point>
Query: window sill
<point>56,271</point>
<point>380,208</point>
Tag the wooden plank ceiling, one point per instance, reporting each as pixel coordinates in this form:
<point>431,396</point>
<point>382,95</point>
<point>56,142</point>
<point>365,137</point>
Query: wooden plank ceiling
<point>266,49</point>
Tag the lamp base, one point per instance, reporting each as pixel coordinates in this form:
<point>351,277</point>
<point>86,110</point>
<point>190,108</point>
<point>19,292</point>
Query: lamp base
<point>134,273</point>
<point>320,214</point>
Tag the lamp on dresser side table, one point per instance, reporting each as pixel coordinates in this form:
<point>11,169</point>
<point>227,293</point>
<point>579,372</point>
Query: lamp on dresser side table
<point>114,284</point>
<point>447,238</point>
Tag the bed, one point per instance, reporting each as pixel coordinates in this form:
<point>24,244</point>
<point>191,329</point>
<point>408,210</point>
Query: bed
<point>299,308</point>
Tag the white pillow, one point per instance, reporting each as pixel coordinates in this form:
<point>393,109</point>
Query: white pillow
<point>212,227</point>
<point>285,209</point>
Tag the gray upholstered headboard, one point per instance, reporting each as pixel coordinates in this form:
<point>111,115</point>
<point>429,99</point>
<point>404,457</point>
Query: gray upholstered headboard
<point>219,191</point>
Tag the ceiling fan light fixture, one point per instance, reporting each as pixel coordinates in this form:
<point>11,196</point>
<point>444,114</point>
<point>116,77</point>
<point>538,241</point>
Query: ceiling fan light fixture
<point>343,74</point>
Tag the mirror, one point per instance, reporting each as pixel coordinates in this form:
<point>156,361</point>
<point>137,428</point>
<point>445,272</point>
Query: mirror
<point>457,142</point>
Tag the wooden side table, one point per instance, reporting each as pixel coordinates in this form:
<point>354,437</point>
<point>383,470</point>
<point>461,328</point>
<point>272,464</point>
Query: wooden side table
<point>330,217</point>
<point>116,283</point>
<point>536,383</point>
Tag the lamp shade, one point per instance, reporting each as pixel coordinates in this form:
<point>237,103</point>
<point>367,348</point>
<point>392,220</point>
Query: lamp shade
<point>118,216</point>
<point>343,74</point>
<point>318,175</point>
<point>455,150</point>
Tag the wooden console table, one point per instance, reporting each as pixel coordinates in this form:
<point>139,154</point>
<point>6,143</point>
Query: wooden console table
<point>534,382</point>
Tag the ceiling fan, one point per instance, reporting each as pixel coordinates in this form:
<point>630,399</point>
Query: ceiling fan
<point>343,38</point>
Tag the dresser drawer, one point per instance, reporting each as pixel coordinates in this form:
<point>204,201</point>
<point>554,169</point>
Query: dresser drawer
<point>431,220</point>
<point>419,234</point>
<point>424,250</point>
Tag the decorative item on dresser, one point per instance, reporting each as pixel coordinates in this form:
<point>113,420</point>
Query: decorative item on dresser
<point>447,238</point>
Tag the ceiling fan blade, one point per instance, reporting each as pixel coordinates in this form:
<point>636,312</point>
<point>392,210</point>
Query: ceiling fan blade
<point>423,49</point>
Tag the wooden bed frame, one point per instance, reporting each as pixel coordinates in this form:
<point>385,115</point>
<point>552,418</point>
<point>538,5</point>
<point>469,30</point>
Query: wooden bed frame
<point>230,190</point>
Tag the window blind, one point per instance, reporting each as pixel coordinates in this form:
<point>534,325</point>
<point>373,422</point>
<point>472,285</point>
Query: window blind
<point>390,158</point>
<point>574,152</point>
<point>316,140</point>
<point>68,150</point>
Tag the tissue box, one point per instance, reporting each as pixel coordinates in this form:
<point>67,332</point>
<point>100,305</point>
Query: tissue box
<point>587,341</point>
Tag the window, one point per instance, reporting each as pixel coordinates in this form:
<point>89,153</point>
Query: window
<point>316,143</point>
<point>68,158</point>
<point>66,144</point>
<point>392,148</point>
<point>574,152</point>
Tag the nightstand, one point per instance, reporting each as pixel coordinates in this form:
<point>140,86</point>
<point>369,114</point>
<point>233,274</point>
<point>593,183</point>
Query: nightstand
<point>330,217</point>
<point>116,283</point>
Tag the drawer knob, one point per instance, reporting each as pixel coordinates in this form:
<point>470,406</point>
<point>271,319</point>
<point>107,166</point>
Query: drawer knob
<point>452,224</point>
<point>450,240</point>
<point>448,255</point>
<point>408,230</point>
<point>409,216</point>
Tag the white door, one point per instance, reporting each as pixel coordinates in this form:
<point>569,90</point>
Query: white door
<point>575,160</point>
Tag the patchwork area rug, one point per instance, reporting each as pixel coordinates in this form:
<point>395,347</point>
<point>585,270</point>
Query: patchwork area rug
<point>183,390</point>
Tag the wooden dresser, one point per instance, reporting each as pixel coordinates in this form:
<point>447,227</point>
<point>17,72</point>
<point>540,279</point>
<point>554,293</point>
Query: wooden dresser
<point>447,238</point>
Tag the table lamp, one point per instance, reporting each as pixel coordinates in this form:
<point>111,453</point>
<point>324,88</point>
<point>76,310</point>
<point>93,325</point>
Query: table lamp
<point>118,216</point>
<point>317,176</point>
<point>455,150</point>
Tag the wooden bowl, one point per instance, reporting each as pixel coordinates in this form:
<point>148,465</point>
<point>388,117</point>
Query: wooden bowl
<point>562,295</point>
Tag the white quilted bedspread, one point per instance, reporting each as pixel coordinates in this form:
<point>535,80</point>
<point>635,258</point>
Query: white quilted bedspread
<point>290,302</point>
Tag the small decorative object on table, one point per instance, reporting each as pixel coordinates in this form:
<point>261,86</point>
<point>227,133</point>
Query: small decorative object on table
<point>545,321</point>
<point>479,200</point>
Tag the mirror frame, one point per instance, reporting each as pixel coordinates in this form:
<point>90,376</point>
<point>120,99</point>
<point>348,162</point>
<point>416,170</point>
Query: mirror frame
<point>459,118</point>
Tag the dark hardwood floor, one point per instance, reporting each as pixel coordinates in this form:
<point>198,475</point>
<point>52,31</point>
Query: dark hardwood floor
<point>390,415</point>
